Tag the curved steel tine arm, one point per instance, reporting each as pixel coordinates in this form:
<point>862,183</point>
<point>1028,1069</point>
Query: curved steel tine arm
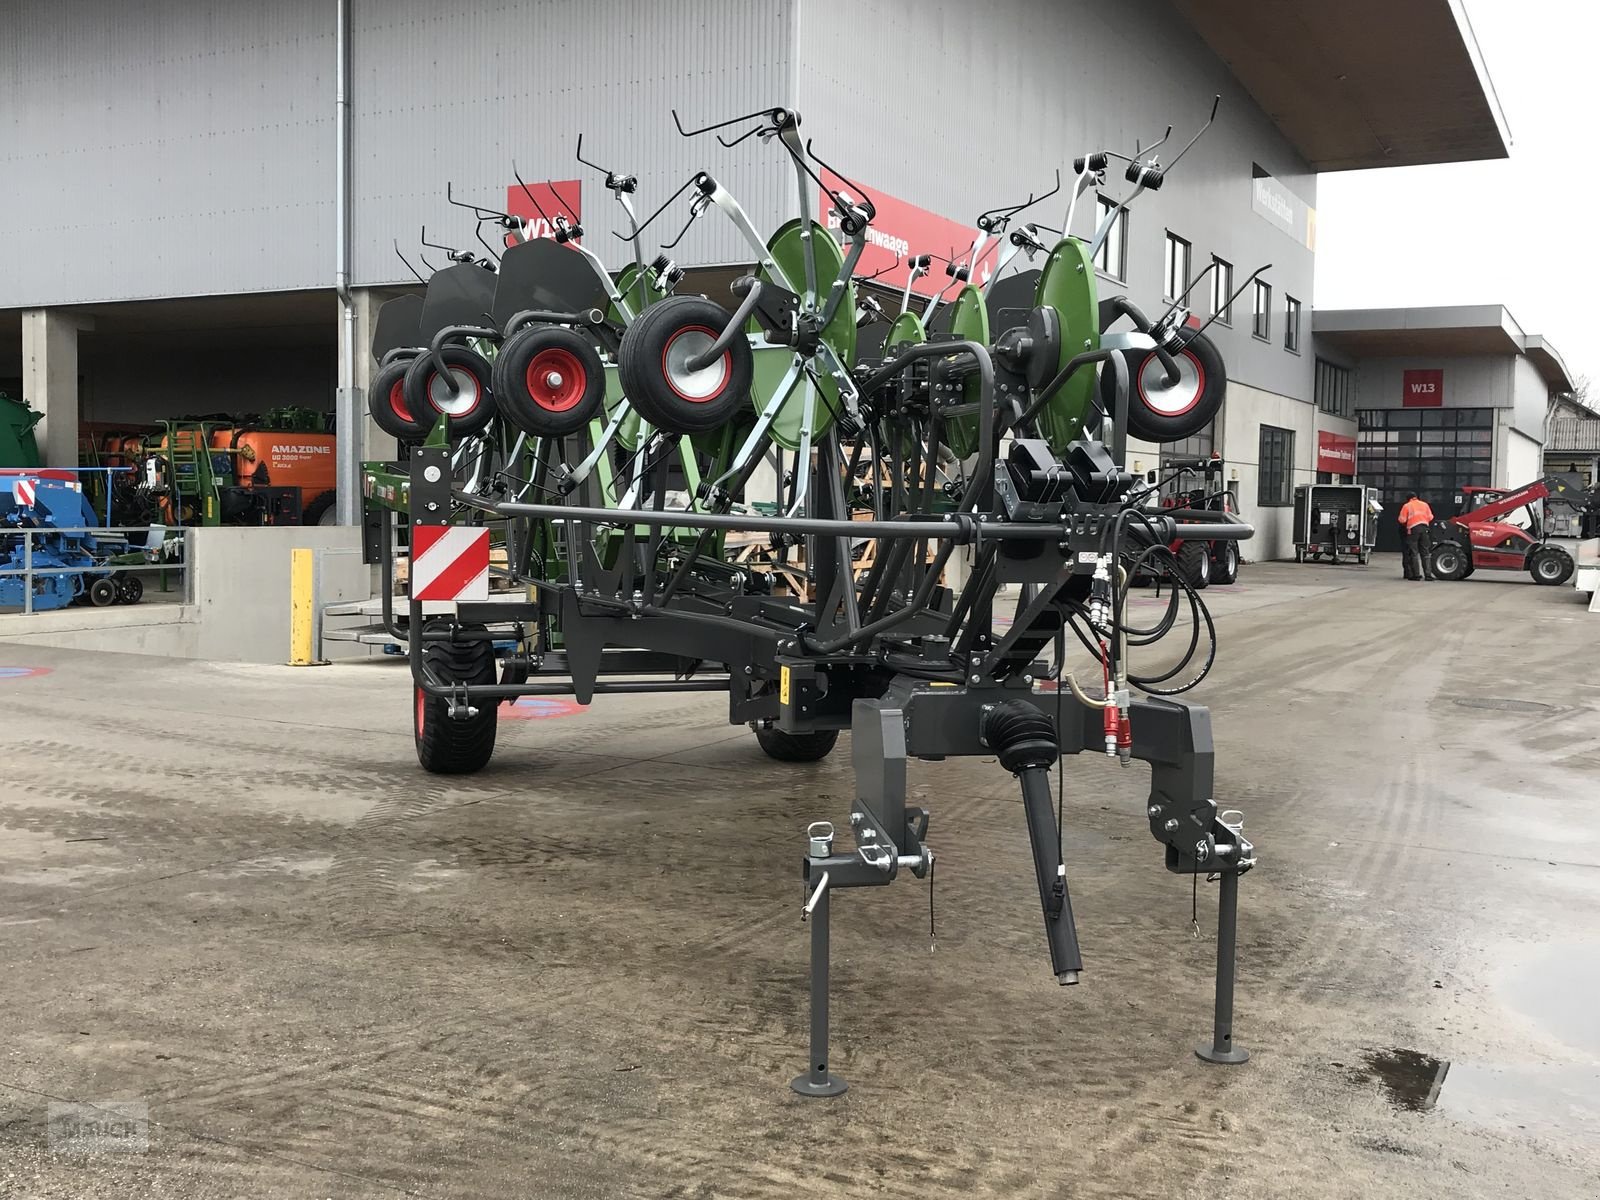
<point>757,435</point>
<point>477,232</point>
<point>995,220</point>
<point>769,114</point>
<point>841,283</point>
<point>723,199</point>
<point>802,462</point>
<point>867,206</point>
<point>1012,249</point>
<point>1216,102</point>
<point>528,192</point>
<point>407,262</point>
<point>919,268</point>
<point>604,276</point>
<point>603,443</point>
<point>1082,182</point>
<point>684,187</point>
<point>1237,292</point>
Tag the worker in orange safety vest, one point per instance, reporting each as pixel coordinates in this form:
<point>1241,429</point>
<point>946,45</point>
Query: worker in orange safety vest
<point>1415,518</point>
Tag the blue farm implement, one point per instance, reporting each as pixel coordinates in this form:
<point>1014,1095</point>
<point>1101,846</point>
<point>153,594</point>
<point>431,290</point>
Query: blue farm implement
<point>48,547</point>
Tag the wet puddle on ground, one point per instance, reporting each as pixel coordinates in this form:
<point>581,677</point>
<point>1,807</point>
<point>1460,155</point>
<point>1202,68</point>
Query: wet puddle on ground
<point>1552,990</point>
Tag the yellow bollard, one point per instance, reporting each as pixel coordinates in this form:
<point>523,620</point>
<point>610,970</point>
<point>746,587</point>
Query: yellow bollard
<point>302,593</point>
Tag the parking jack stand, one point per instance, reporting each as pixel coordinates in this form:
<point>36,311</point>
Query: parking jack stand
<point>817,1081</point>
<point>1221,1048</point>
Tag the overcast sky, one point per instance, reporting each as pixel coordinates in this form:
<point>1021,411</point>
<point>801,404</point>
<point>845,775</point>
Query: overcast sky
<point>1520,231</point>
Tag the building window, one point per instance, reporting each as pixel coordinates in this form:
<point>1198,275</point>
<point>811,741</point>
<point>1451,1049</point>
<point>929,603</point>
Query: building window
<point>1261,311</point>
<point>1335,389</point>
<point>1291,324</point>
<point>1178,252</point>
<point>1222,291</point>
<point>1275,467</point>
<point>1112,257</point>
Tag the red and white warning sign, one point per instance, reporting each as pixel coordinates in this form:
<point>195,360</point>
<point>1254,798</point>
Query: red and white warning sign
<point>24,491</point>
<point>449,562</point>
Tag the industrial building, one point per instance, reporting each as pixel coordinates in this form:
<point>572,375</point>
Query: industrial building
<point>236,190</point>
<point>707,673</point>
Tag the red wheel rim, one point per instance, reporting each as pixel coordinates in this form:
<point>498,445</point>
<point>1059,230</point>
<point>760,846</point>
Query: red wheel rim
<point>676,351</point>
<point>422,705</point>
<point>397,402</point>
<point>1199,385</point>
<point>556,380</point>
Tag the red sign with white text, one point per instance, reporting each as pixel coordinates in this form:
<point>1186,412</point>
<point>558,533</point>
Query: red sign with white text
<point>1336,453</point>
<point>564,198</point>
<point>1423,389</point>
<point>903,229</point>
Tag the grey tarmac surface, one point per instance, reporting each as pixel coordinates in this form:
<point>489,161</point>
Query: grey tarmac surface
<point>229,893</point>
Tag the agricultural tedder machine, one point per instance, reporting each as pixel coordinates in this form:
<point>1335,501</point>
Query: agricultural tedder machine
<point>608,432</point>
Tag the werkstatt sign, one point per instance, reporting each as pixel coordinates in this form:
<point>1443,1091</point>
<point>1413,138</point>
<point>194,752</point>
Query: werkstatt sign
<point>1336,453</point>
<point>1423,389</point>
<point>903,229</point>
<point>1274,202</point>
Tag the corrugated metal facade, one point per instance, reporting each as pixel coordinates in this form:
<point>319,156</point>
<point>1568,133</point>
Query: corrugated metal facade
<point>190,144</point>
<point>459,92</point>
<point>164,148</point>
<point>960,107</point>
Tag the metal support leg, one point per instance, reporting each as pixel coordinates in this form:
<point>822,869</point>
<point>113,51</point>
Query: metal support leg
<point>1221,1048</point>
<point>817,1081</point>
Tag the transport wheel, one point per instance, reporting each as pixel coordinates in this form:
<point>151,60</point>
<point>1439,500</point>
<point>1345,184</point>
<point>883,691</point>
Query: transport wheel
<point>102,592</point>
<point>652,362</point>
<point>1194,564</point>
<point>797,747</point>
<point>465,397</point>
<point>548,381</point>
<point>1449,562</point>
<point>1551,566</point>
<point>320,511</point>
<point>1159,413</point>
<point>130,589</point>
<point>446,746</point>
<point>1225,563</point>
<point>386,404</point>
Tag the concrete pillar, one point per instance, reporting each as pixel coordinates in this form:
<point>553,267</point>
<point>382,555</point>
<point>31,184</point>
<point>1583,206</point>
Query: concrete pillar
<point>375,444</point>
<point>50,380</point>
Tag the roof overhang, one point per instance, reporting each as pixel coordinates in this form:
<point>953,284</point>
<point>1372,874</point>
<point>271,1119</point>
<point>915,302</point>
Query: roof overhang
<point>1361,83</point>
<point>1454,331</point>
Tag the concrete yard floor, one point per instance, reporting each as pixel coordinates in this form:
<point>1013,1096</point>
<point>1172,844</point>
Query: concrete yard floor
<point>229,893</point>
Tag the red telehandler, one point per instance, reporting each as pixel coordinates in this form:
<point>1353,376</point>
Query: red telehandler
<point>1480,535</point>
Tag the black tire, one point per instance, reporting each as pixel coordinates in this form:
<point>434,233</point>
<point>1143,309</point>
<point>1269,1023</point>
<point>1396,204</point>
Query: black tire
<point>797,747</point>
<point>130,589</point>
<point>1551,566</point>
<point>1194,564</point>
<point>319,511</point>
<point>1157,413</point>
<point>1225,563</point>
<point>548,381</point>
<point>1449,561</point>
<point>446,746</point>
<point>102,592</point>
<point>668,397</point>
<point>468,401</point>
<point>386,404</point>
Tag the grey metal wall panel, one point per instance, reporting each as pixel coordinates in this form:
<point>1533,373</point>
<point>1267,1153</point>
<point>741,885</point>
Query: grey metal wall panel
<point>165,147</point>
<point>960,107</point>
<point>457,93</point>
